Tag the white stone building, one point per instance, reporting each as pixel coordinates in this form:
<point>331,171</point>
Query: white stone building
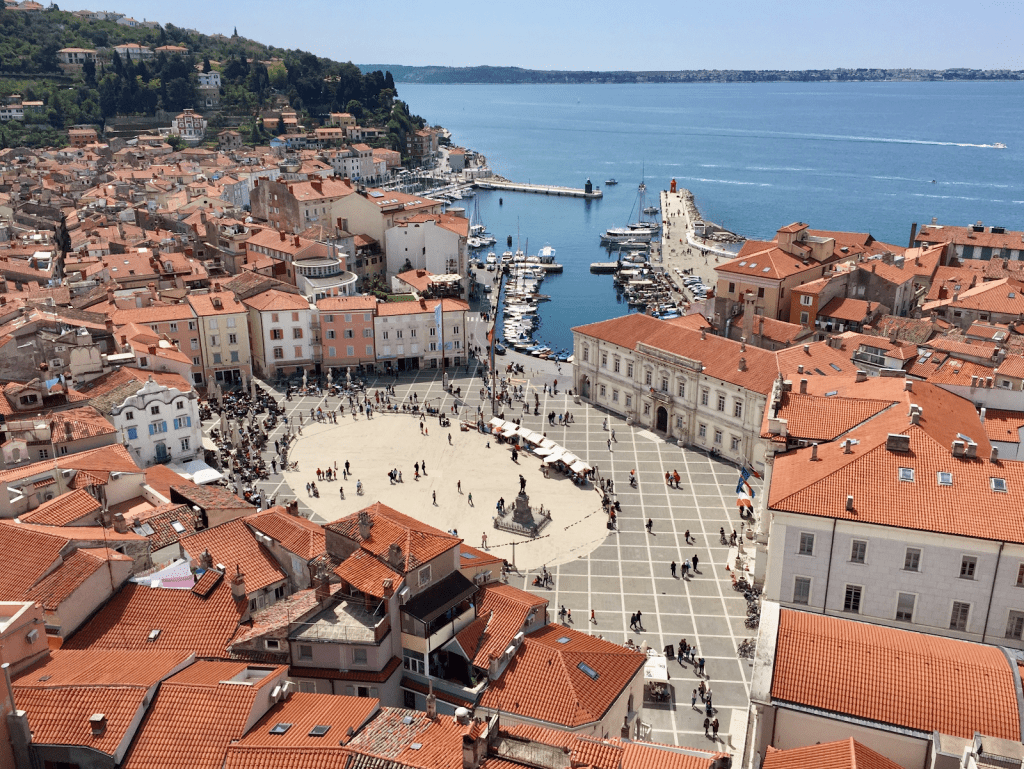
<point>433,242</point>
<point>407,338</point>
<point>283,329</point>
<point>158,424</point>
<point>190,126</point>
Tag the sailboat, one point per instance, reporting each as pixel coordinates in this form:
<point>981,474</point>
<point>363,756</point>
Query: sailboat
<point>478,230</point>
<point>640,231</point>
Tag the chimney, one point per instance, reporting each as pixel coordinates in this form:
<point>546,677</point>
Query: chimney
<point>743,344</point>
<point>703,334</point>
<point>862,376</point>
<point>322,582</point>
<point>974,382</point>
<point>365,524</point>
<point>297,241</point>
<point>120,525</point>
<point>982,415</point>
<point>206,560</point>
<point>908,385</point>
<point>743,364</point>
<point>800,369</point>
<point>803,387</point>
<point>284,237</point>
<point>292,508</point>
<point>814,452</point>
<point>471,748</point>
<point>848,446</point>
<point>462,716</point>
<point>109,323</point>
<point>760,326</point>
<point>395,557</point>
<point>69,431</point>
<point>849,502</point>
<point>98,724</point>
<point>958,448</point>
<point>915,417</point>
<point>994,457</point>
<point>238,591</point>
<point>971,450</point>
<point>431,702</point>
<point>787,385</point>
<point>807,349</point>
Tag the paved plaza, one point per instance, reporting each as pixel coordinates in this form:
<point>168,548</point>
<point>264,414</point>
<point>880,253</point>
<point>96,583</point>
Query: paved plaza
<point>614,573</point>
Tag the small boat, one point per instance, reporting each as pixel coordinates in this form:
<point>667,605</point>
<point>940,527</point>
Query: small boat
<point>492,258</point>
<point>610,182</point>
<point>546,255</point>
<point>651,210</point>
<point>999,146</point>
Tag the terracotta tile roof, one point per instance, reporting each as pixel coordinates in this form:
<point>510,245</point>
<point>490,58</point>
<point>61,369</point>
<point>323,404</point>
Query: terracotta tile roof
<point>84,479</point>
<point>37,554</point>
<point>545,680</point>
<point>347,304</point>
<point>443,696</point>
<point>844,754</point>
<point>194,709</point>
<point>278,615</point>
<point>821,418</point>
<point>111,389</point>
<point>457,224</point>
<point>1012,366</point>
<point>941,368</point>
<point>327,757</point>
<point>162,520</point>
<point>294,533</point>
<point>385,309</point>
<point>1003,426</point>
<point>207,582</point>
<point>469,637</point>
<point>366,573</point>
<point>233,544</point>
<point>474,558</point>
<point>719,356</point>
<point>912,331</point>
<point>80,683</point>
<point>82,422</point>
<point>639,755</point>
<point>420,543</point>
<point>208,497</point>
<point>765,260</point>
<point>891,676</point>
<point>59,585</point>
<point>304,711</point>
<point>63,510</point>
<point>160,478</point>
<point>1004,296</point>
<point>509,608</point>
<point>276,301</point>
<point>853,310</point>
<point>102,461</point>
<point>187,622</point>
<point>967,236</point>
<point>203,304</point>
<point>390,738</point>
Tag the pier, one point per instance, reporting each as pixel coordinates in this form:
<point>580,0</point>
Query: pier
<point>539,189</point>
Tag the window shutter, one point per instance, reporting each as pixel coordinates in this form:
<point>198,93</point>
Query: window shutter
<point>188,421</point>
<point>164,426</point>
<point>151,430</point>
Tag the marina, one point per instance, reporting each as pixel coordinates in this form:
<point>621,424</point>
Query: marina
<point>588,191</point>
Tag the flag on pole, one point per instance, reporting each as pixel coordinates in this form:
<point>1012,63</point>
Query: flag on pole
<point>437,316</point>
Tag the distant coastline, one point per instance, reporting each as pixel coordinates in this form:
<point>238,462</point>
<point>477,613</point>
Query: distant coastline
<point>517,75</point>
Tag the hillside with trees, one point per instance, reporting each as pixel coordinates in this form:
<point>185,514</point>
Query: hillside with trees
<point>252,74</point>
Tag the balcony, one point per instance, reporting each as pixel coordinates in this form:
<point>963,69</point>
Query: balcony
<point>348,621</point>
<point>435,616</point>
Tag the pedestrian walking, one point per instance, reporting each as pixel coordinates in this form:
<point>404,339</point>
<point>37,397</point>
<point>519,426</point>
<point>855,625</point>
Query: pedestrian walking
<point>423,466</point>
<point>668,479</point>
<point>449,439</point>
<point>458,485</point>
<point>686,568</point>
<point>613,436</point>
<point>483,540</point>
<point>470,499</point>
<point>434,496</point>
<point>707,725</point>
<point>693,700</point>
<point>714,729</point>
<point>273,465</point>
<point>695,562</point>
<point>416,467</point>
<point>592,617</point>
<point>632,622</point>
<point>708,710</point>
<point>639,623</point>
<point>672,568</point>
<point>686,536</point>
<point>609,444</point>
<point>700,665</point>
<point>649,526</point>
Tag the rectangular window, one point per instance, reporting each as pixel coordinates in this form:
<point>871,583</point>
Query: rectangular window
<point>1020,575</point>
<point>851,600</point>
<point>349,333</point>
<point>305,652</point>
<point>805,318</point>
<point>647,378</point>
<point>276,333</point>
<point>330,333</point>
<point>194,343</point>
<point>184,444</point>
<point>1015,625</point>
<point>806,544</point>
<point>604,360</point>
<point>274,317</point>
<point>350,350</point>
<point>278,353</point>
<point>296,333</point>
<point>214,341</point>
<point>968,564</point>
<point>802,590</point>
<point>718,437</point>
<point>735,443</point>
<point>154,410</point>
<point>912,559</point>
<point>234,356</point>
<point>298,351</point>
<point>129,415</point>
<point>682,390</point>
<point>615,365</point>
<point>704,397</point>
<point>721,403</point>
<point>615,396</point>
<point>737,409</point>
<point>359,656</point>
<point>858,551</point>
<point>905,607</point>
<point>213,323</point>
<point>232,338</point>
<point>133,434</point>
<point>295,317</point>
<point>602,390</point>
<point>174,327</point>
<point>806,300</point>
<point>424,576</point>
<point>702,431</point>
<point>629,400</point>
<point>216,358</point>
<point>586,354</point>
<point>958,619</point>
<point>629,370</point>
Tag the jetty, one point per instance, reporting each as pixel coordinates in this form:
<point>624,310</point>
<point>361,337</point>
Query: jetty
<point>588,192</point>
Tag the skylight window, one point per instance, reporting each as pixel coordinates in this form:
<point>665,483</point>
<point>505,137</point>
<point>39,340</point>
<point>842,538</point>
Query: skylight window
<point>945,479</point>
<point>588,670</point>
<point>907,474</point>
<point>564,639</point>
<point>280,728</point>
<point>407,720</point>
<point>767,269</point>
<point>176,525</point>
<point>753,265</point>
<point>999,484</point>
<point>319,731</point>
<point>1011,295</point>
<point>820,371</point>
<point>743,264</point>
<point>830,393</point>
<point>833,365</point>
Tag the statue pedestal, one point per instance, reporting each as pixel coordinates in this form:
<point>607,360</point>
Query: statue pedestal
<point>523,521</point>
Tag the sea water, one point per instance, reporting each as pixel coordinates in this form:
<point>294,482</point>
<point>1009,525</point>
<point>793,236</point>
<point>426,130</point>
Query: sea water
<point>863,157</point>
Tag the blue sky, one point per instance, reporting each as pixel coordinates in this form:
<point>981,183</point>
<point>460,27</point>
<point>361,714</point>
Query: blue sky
<point>619,34</point>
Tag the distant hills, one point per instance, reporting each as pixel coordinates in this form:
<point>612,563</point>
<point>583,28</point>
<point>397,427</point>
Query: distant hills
<point>469,75</point>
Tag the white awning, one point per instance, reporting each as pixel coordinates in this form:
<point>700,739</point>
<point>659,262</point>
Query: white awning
<point>579,467</point>
<point>656,669</point>
<point>543,452</point>
<point>555,457</point>
<point>547,443</point>
<point>208,444</point>
<point>496,422</point>
<point>534,437</point>
<point>196,471</point>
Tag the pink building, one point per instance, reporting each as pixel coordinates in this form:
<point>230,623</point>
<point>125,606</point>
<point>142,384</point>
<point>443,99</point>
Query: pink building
<point>346,331</point>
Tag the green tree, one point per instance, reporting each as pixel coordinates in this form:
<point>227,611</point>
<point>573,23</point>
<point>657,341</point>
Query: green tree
<point>206,65</point>
<point>89,73</point>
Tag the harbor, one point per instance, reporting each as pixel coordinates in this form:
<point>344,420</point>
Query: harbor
<point>588,192</point>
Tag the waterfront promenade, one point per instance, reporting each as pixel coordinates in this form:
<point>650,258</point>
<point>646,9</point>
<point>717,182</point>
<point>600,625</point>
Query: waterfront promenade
<point>539,189</point>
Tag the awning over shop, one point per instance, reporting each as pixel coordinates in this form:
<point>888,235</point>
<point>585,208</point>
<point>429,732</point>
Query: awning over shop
<point>196,471</point>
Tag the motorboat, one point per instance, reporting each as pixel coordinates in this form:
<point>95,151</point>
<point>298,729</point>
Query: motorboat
<point>492,258</point>
<point>629,234</point>
<point>610,182</point>
<point>475,243</point>
<point>546,255</point>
